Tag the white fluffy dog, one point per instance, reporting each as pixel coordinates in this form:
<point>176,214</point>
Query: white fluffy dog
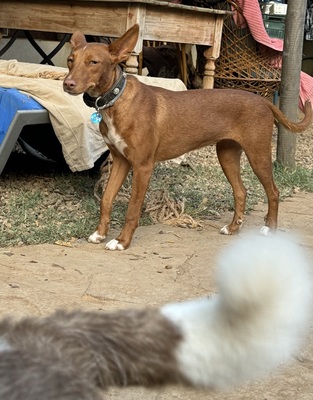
<point>257,321</point>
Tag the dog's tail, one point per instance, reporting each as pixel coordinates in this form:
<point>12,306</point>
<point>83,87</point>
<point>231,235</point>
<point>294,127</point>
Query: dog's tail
<point>255,322</point>
<point>293,126</point>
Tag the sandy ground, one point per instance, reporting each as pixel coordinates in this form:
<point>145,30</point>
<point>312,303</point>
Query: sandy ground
<point>163,264</point>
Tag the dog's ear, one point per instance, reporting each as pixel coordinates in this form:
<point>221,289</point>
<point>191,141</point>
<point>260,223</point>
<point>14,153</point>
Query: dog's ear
<point>121,49</point>
<point>77,39</point>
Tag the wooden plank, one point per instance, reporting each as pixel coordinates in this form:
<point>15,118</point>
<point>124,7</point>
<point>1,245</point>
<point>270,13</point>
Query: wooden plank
<point>163,4</point>
<point>179,26</point>
<point>111,18</point>
<point>65,17</point>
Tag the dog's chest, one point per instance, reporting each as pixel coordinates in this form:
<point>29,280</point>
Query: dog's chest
<point>112,137</point>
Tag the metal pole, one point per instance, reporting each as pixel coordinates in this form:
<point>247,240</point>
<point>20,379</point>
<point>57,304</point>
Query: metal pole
<point>290,79</point>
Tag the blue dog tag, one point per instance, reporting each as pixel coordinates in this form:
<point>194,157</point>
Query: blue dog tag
<point>96,118</point>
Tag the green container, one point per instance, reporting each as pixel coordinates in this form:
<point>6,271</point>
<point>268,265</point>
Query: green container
<point>274,25</point>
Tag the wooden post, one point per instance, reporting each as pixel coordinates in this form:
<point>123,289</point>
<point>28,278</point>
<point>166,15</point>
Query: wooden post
<point>290,80</point>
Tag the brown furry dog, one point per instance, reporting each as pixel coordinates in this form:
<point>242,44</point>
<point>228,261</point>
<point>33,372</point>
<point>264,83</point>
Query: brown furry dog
<point>256,322</point>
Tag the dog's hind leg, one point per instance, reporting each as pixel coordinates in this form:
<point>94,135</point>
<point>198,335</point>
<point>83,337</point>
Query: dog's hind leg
<point>141,179</point>
<point>119,171</point>
<point>229,153</point>
<point>262,167</point>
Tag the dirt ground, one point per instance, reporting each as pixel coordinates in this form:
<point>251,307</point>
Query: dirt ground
<point>163,264</point>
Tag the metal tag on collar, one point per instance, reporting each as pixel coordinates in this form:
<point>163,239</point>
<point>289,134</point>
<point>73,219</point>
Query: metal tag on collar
<point>96,117</point>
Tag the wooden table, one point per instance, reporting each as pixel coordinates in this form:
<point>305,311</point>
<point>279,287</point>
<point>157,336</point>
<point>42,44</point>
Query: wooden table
<point>158,21</point>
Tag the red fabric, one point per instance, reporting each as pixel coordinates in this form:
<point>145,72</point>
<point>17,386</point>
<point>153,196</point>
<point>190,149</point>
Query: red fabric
<point>253,16</point>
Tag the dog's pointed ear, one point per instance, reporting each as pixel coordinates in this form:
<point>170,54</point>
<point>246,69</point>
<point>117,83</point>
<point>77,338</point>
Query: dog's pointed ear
<point>121,49</point>
<point>77,39</point>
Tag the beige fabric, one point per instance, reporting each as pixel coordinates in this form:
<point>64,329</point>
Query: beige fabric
<point>170,84</point>
<point>82,143</point>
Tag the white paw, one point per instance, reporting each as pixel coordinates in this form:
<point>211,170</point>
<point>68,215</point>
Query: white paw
<point>265,231</point>
<point>96,238</point>
<point>225,230</point>
<point>114,245</point>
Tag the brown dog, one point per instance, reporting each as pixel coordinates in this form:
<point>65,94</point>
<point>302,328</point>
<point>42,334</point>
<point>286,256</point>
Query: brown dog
<point>143,125</point>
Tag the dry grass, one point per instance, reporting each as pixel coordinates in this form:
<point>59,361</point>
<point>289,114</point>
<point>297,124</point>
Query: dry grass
<point>39,205</point>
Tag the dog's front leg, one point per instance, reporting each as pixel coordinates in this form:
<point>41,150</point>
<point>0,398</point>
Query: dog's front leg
<point>119,171</point>
<point>141,179</point>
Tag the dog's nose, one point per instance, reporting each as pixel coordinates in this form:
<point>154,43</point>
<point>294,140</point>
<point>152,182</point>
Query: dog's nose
<point>69,84</point>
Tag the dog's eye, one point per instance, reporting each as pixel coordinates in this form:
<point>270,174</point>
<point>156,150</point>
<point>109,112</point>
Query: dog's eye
<point>70,60</point>
<point>94,62</point>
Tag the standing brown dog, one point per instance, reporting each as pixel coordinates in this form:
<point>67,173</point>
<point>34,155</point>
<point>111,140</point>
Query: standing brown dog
<point>142,125</point>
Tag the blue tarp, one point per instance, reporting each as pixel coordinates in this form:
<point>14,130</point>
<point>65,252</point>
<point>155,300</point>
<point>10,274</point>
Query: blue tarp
<point>11,100</point>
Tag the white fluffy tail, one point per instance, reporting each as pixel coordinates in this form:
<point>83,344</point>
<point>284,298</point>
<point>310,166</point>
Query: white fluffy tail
<point>256,322</point>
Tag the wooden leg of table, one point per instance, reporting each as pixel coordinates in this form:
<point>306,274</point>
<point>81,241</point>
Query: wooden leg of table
<point>209,68</point>
<point>132,64</point>
<point>182,62</point>
<point>140,63</point>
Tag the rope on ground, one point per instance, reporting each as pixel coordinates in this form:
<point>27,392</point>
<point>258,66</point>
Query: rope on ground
<point>159,205</point>
<point>163,209</point>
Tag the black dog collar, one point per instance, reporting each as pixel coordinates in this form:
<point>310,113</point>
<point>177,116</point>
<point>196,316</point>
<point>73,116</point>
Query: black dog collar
<point>107,99</point>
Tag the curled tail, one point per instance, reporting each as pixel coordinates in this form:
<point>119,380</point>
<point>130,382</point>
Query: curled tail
<point>255,322</point>
<point>293,126</point>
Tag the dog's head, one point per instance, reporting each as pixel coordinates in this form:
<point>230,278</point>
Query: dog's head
<point>92,65</point>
